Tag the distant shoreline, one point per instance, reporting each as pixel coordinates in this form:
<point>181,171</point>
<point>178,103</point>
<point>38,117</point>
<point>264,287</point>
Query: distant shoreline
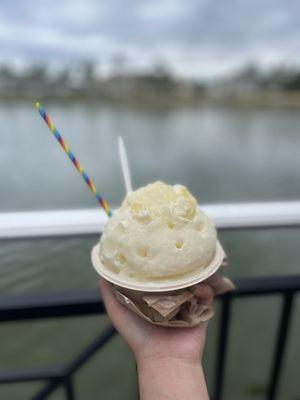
<point>266,100</point>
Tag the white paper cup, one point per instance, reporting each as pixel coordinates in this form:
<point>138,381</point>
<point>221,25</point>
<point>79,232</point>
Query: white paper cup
<point>158,285</point>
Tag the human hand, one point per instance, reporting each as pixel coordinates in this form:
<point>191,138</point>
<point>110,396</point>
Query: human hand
<point>149,341</point>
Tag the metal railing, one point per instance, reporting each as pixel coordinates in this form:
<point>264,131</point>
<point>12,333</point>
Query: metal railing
<point>88,222</point>
<point>82,303</point>
<point>79,303</point>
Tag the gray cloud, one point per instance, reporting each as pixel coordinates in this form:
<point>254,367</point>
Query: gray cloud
<point>195,36</point>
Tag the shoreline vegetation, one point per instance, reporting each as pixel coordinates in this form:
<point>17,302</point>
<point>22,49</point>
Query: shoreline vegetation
<point>262,100</point>
<point>247,88</point>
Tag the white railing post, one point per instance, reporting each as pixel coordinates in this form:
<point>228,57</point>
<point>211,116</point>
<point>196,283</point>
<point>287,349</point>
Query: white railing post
<point>16,225</point>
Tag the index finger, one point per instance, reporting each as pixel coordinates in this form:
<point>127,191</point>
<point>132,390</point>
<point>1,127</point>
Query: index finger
<point>205,294</point>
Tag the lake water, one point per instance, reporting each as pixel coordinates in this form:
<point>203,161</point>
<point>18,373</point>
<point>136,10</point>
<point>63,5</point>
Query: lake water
<point>222,155</point>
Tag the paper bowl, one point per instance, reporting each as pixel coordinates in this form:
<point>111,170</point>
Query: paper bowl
<point>158,285</point>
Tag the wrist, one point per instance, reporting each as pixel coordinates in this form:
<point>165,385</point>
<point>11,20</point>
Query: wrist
<point>158,361</point>
<point>171,378</point>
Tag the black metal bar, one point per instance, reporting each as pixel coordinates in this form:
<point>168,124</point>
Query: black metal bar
<point>280,345</point>
<point>69,390</point>
<point>88,302</point>
<point>46,390</point>
<point>90,350</point>
<point>222,346</point>
<point>50,305</point>
<point>266,285</point>
<point>31,374</point>
<point>77,363</point>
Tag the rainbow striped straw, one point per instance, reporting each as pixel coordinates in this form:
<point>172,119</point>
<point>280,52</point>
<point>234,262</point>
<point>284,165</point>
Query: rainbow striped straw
<point>74,160</point>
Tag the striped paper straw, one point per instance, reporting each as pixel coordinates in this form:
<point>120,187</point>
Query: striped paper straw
<point>74,160</point>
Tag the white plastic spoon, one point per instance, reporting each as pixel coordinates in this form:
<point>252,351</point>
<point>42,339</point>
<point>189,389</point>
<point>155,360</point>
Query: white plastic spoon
<point>124,164</point>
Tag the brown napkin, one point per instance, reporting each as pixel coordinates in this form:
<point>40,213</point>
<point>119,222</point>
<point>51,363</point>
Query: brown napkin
<point>180,308</point>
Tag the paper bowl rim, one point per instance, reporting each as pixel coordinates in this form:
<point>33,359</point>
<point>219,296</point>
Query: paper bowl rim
<point>154,285</point>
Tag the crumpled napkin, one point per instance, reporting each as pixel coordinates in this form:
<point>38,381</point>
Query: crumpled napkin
<point>180,308</point>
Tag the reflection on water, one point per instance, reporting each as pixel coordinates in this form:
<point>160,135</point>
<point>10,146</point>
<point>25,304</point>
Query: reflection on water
<point>220,154</point>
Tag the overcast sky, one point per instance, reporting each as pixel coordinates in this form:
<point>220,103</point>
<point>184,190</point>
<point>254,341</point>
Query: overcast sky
<point>197,38</point>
